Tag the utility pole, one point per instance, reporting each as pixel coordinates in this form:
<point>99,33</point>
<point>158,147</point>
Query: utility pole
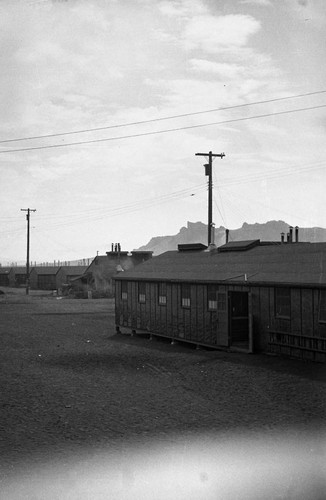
<point>28,210</point>
<point>208,172</point>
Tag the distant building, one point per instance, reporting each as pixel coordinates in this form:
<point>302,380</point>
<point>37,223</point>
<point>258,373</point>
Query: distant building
<point>69,273</point>
<point>14,276</point>
<point>5,276</point>
<point>18,276</point>
<point>52,277</point>
<point>248,295</point>
<point>98,276</point>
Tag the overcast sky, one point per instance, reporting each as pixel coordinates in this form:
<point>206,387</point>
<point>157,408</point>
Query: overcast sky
<point>130,68</point>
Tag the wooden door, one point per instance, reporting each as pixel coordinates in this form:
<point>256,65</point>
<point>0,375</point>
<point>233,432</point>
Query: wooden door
<point>222,320</point>
<point>239,319</point>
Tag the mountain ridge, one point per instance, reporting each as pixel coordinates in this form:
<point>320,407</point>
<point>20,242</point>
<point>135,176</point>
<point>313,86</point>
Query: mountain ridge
<point>196,232</point>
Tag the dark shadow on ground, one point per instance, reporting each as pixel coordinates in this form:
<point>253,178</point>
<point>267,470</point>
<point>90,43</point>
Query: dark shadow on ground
<point>89,361</point>
<point>75,313</point>
<point>305,369</point>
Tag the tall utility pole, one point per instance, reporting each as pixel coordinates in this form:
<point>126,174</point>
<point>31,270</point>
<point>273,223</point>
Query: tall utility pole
<point>208,172</point>
<point>28,210</point>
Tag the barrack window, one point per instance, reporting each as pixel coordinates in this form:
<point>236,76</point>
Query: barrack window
<point>185,295</point>
<point>283,303</point>
<point>124,290</point>
<point>212,297</point>
<point>162,294</point>
<point>322,306</point>
<point>142,293</point>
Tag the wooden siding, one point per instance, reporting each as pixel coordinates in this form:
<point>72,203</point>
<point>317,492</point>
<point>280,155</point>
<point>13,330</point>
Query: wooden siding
<point>307,306</point>
<point>194,324</point>
<point>46,282</point>
<point>4,280</point>
<point>20,279</point>
<point>302,335</point>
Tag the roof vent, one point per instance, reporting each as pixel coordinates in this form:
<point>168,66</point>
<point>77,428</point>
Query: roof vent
<point>239,246</point>
<point>212,247</point>
<point>191,247</point>
<point>296,234</point>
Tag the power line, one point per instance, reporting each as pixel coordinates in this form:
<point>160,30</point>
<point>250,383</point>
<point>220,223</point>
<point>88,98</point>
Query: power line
<point>143,134</point>
<point>270,175</point>
<point>238,212</point>
<point>172,117</point>
<point>117,212</point>
<point>216,188</point>
<point>147,202</point>
<point>11,231</point>
<point>99,214</point>
<point>143,202</point>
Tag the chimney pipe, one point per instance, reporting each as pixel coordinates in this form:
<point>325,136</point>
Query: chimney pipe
<point>213,233</point>
<point>282,237</point>
<point>212,245</point>
<point>226,236</point>
<point>296,234</point>
<point>291,234</point>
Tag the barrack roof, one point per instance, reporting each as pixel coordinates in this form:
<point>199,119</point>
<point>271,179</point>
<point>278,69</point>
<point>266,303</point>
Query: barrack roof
<point>288,263</point>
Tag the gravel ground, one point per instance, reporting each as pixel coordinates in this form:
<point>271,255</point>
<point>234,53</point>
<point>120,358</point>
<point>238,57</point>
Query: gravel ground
<point>80,404</point>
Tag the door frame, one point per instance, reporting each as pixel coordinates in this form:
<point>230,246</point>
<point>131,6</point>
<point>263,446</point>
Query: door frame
<point>248,349</point>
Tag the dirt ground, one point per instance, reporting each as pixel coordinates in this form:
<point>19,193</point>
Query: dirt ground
<point>88,413</point>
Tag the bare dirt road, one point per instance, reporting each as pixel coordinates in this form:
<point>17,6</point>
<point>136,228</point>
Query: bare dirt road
<point>86,413</point>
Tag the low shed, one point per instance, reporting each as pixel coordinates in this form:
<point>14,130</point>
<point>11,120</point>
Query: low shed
<point>44,277</point>
<point>250,296</point>
<point>67,274</point>
<point>14,276</point>
<point>98,277</point>
<point>18,276</point>
<point>5,276</point>
<point>53,277</point>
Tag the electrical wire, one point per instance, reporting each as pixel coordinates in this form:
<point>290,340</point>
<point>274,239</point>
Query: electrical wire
<point>116,212</point>
<point>43,241</point>
<point>12,231</point>
<point>96,211</point>
<point>217,190</point>
<point>234,201</point>
<point>100,214</point>
<point>177,129</point>
<point>134,205</point>
<point>279,173</point>
<point>219,211</point>
<point>172,117</point>
<point>86,216</point>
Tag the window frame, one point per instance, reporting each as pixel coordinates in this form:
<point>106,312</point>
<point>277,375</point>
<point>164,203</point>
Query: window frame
<point>216,299</point>
<point>222,299</point>
<point>212,302</point>
<point>278,306</point>
<point>162,294</point>
<point>322,306</point>
<point>185,295</point>
<point>141,292</point>
<point>124,290</point>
